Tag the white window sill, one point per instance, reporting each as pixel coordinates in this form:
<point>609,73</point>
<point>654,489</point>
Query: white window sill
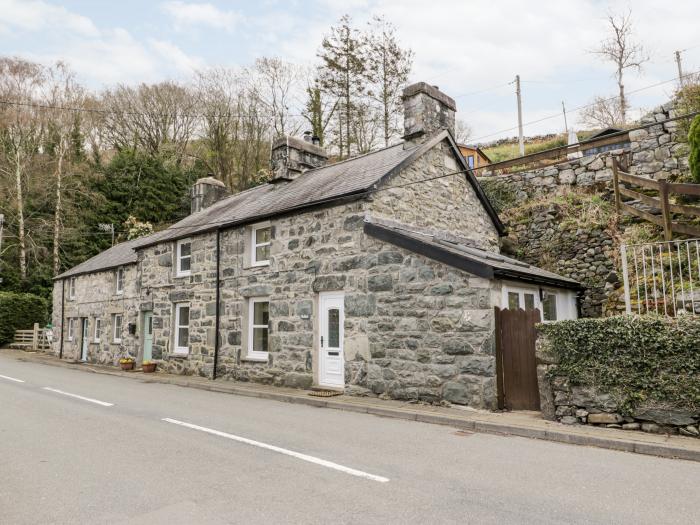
<point>257,264</point>
<point>117,342</point>
<point>181,275</point>
<point>255,359</point>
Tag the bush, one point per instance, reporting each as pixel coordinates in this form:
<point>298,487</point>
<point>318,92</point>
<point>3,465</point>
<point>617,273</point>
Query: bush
<point>694,143</point>
<point>19,311</point>
<point>646,360</point>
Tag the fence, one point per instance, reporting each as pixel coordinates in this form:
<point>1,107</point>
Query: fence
<point>662,277</point>
<point>35,339</point>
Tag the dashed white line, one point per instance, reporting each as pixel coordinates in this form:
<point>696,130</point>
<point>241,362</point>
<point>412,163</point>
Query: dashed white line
<point>273,448</point>
<point>96,401</point>
<point>12,379</point>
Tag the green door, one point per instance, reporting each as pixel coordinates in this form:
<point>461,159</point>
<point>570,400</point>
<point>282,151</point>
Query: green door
<point>147,335</point>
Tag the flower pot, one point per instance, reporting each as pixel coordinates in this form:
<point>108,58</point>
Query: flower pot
<point>127,366</point>
<point>149,368</point>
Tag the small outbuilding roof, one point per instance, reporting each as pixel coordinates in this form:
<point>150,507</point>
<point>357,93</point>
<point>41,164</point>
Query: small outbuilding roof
<point>474,260</point>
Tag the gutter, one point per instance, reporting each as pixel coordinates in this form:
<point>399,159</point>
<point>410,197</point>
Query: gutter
<point>217,312</point>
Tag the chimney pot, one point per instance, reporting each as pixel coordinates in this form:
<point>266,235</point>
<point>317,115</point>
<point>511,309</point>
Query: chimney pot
<point>307,136</point>
<point>205,192</point>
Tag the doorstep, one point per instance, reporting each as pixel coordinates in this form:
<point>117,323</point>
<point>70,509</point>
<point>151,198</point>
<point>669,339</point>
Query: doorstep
<point>522,424</point>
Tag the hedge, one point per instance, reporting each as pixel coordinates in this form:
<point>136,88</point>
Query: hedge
<point>647,360</point>
<point>19,311</point>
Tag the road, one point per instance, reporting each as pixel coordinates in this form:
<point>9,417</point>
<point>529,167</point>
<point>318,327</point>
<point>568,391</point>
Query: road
<point>137,453</point>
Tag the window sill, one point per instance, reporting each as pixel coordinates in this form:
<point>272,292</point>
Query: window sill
<point>255,359</point>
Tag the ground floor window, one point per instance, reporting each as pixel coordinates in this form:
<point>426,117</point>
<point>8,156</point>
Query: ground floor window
<point>98,330</point>
<point>182,329</point>
<point>117,328</point>
<point>554,304</point>
<point>258,328</point>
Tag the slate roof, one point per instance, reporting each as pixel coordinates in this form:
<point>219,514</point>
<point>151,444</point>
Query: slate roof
<point>352,177</point>
<point>118,255</point>
<point>468,258</point>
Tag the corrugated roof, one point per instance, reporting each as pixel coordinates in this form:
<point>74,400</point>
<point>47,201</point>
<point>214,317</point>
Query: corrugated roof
<point>478,261</point>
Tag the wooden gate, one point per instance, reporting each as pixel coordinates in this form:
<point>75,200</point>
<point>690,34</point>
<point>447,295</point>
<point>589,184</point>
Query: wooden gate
<point>516,368</point>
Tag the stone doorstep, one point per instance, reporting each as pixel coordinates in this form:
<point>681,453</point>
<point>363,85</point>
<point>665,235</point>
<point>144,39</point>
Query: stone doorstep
<point>525,425</point>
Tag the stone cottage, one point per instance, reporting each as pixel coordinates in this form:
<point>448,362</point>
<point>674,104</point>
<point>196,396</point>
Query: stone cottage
<point>376,275</point>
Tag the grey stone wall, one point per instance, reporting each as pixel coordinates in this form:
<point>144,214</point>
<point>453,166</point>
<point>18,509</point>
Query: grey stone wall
<point>587,405</point>
<point>447,204</point>
<point>96,298</point>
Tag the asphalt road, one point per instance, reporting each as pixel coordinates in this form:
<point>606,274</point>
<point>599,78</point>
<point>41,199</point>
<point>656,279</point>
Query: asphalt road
<point>131,459</point>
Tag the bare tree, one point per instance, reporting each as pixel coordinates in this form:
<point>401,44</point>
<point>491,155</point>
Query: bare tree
<point>279,85</point>
<point>463,131</point>
<point>602,113</point>
<point>621,49</point>
<point>21,132</point>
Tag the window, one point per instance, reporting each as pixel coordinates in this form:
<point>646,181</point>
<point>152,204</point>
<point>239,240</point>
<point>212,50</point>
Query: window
<point>71,329</point>
<point>71,288</point>
<point>182,329</point>
<point>470,161</point>
<point>260,244</point>
<point>120,281</point>
<point>98,330</point>
<point>184,258</point>
<point>549,306</point>
<point>258,328</point>
<point>117,328</point>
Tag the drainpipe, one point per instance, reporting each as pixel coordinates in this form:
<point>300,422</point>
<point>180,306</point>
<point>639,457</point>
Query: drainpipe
<point>217,314</point>
<point>63,302</point>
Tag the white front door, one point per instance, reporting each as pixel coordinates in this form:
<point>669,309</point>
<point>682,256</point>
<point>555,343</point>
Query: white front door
<point>84,341</point>
<point>331,320</point>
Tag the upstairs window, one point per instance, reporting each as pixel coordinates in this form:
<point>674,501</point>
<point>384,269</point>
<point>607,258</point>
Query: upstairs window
<point>260,244</point>
<point>71,288</point>
<point>120,281</point>
<point>184,258</point>
<point>182,329</point>
<point>117,328</point>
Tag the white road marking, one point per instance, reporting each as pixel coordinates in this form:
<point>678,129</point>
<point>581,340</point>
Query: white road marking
<point>298,455</point>
<point>12,379</point>
<point>96,401</point>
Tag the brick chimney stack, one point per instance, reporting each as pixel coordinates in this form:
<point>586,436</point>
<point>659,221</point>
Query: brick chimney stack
<point>292,156</point>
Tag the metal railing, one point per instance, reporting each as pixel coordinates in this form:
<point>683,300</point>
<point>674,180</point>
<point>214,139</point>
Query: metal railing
<point>662,277</point>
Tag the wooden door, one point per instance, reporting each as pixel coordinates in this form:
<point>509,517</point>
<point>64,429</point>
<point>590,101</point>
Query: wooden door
<point>515,359</point>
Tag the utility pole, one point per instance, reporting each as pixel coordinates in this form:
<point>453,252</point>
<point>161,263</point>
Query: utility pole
<point>566,126</point>
<point>521,142</point>
<point>680,69</point>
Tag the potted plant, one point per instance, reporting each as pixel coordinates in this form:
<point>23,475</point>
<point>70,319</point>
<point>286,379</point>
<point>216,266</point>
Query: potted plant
<point>148,367</point>
<point>127,363</point>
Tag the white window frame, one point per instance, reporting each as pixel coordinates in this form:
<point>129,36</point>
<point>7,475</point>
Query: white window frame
<point>177,349</point>
<point>97,332</point>
<point>178,258</point>
<point>120,281</point>
<point>71,329</point>
<point>115,339</point>
<point>71,288</point>
<point>254,245</point>
<point>565,308</point>
<point>251,327</point>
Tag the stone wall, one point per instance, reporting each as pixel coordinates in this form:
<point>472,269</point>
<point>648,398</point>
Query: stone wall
<point>586,405</point>
<point>96,298</point>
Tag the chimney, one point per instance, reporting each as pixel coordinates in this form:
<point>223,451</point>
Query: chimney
<point>292,156</point>
<point>205,192</point>
<point>426,110</point>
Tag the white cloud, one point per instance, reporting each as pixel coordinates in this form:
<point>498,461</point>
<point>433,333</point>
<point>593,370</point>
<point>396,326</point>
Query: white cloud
<point>195,14</point>
<point>35,16</point>
<point>176,56</point>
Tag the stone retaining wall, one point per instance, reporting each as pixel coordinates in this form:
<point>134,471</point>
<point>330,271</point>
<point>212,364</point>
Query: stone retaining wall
<point>585,405</point>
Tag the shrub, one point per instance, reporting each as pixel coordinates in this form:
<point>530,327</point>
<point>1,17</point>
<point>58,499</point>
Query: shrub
<point>500,193</point>
<point>19,311</point>
<point>694,143</point>
<point>646,360</point>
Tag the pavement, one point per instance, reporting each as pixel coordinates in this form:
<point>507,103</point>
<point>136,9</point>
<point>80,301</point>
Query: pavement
<point>522,424</point>
<point>77,447</point>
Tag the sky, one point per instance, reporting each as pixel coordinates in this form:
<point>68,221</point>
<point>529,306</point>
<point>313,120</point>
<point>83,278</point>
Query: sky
<point>471,49</point>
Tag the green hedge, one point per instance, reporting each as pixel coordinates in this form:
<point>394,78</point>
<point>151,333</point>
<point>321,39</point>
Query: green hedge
<point>19,311</point>
<point>637,359</point>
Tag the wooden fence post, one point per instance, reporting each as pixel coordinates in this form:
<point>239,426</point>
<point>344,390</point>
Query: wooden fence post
<point>665,209</point>
<point>35,337</point>
<point>616,183</point>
